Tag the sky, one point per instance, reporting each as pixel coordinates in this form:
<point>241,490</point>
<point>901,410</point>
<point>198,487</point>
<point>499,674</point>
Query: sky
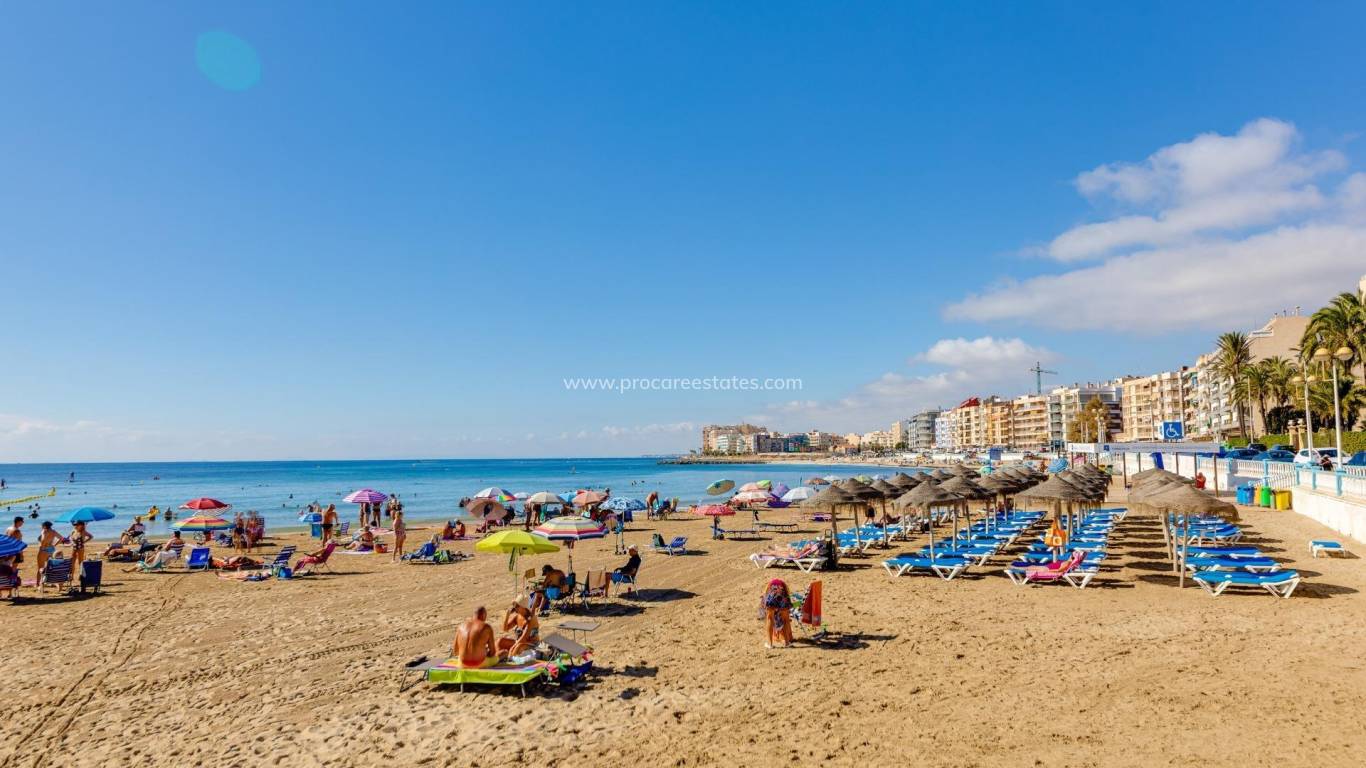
<point>368,230</point>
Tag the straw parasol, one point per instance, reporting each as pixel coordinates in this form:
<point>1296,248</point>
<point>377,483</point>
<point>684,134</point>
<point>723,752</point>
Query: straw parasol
<point>926,496</point>
<point>835,498</point>
<point>940,474</point>
<point>906,482</point>
<point>1187,501</point>
<point>1057,491</point>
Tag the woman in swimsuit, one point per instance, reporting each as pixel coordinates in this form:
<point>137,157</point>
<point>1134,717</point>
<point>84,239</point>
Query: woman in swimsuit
<point>400,533</point>
<point>79,536</point>
<point>47,546</point>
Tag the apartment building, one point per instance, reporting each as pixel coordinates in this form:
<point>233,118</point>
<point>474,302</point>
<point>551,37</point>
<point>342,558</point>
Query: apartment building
<point>998,425</point>
<point>729,438</point>
<point>945,429</point>
<point>1029,423</point>
<point>1066,403</point>
<point>921,431</point>
<point>1148,401</point>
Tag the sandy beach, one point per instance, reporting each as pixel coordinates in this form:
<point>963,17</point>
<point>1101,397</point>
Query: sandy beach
<point>189,669</point>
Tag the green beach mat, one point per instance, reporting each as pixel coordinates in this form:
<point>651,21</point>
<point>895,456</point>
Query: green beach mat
<point>450,673</point>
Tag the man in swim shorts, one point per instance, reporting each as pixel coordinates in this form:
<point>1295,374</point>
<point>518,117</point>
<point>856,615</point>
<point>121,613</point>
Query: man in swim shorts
<point>473,645</point>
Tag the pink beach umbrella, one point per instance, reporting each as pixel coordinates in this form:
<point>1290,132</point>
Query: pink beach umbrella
<point>365,496</point>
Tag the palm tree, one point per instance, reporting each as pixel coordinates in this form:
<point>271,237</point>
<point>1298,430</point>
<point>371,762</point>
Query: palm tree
<point>1279,372</point>
<point>1351,396</point>
<point>1233,356</point>
<point>1340,324</point>
<point>1254,388</point>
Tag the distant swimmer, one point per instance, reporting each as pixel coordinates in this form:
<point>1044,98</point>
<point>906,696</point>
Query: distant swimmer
<point>71,478</point>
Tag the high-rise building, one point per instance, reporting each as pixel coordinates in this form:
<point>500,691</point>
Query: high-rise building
<point>1066,404</point>
<point>721,438</point>
<point>922,431</point>
<point>1211,412</point>
<point>1148,401</point>
<point>1029,423</point>
<point>945,431</point>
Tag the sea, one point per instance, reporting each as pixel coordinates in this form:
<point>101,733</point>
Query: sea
<point>429,489</point>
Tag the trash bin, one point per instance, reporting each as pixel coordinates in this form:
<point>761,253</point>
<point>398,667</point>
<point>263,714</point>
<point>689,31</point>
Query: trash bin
<point>1264,497</point>
<point>316,530</point>
<point>1282,499</point>
<point>1245,494</point>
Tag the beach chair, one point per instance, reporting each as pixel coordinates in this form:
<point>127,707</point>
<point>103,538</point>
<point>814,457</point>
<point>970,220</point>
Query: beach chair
<point>343,531</point>
<point>92,575</point>
<point>57,573</point>
<point>1049,572</point>
<point>946,567</point>
<point>1210,563</point>
<point>198,559</point>
<point>163,558</point>
<point>281,559</point>
<point>558,596</point>
<point>10,581</point>
<point>570,659</point>
<point>1325,546</point>
<point>308,564</point>
<point>595,585</point>
<point>678,546</point>
<point>1279,583</point>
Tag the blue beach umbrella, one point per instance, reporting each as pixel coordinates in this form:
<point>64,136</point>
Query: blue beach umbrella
<point>85,515</point>
<point>10,547</point>
<point>623,504</point>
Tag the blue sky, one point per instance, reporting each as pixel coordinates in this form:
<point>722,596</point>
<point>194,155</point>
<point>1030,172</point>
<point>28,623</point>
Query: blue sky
<point>401,237</point>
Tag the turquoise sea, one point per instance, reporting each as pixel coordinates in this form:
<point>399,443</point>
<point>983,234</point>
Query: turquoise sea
<point>429,490</point>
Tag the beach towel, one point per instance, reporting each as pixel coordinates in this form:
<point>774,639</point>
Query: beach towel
<point>450,672</point>
<point>811,606</point>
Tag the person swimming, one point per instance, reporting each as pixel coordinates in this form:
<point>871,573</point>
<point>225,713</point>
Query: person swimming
<point>473,646</point>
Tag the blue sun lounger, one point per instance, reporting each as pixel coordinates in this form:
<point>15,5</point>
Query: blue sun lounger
<point>1257,564</point>
<point>1325,546</point>
<point>944,566</point>
<point>1278,583</point>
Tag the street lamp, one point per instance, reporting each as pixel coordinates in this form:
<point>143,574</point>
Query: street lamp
<point>1308,415</point>
<point>1322,355</point>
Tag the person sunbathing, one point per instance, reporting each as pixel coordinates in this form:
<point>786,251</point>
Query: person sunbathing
<point>365,542</point>
<point>166,552</point>
<point>525,631</point>
<point>448,532</point>
<point>473,646</point>
<point>234,563</point>
<point>133,533</point>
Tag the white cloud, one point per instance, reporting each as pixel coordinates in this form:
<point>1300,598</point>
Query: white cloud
<point>1212,183</point>
<point>987,350</point>
<point>1238,233</point>
<point>973,367</point>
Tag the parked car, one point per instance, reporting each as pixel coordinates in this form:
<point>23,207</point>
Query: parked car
<point>1283,447</point>
<point>1275,455</point>
<point>1243,453</point>
<point>1358,460</point>
<point>1313,458</point>
<point>1258,447</point>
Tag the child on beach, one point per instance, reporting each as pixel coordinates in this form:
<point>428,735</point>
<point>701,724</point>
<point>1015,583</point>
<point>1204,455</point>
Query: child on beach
<point>775,607</point>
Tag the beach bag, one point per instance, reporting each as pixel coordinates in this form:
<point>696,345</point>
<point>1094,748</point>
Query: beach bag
<point>284,572</point>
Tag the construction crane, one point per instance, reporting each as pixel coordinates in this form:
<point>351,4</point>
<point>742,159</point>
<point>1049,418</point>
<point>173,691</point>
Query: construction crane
<point>1038,370</point>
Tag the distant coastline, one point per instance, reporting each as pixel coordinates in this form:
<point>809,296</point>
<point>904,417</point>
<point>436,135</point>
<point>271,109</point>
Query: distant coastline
<point>798,458</point>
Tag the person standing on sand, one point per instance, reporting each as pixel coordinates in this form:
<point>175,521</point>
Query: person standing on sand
<point>473,646</point>
<point>79,536</point>
<point>400,533</point>
<point>16,532</point>
<point>47,546</point>
<point>329,521</point>
<point>775,608</point>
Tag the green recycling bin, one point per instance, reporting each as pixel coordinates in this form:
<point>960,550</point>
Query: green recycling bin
<point>1264,497</point>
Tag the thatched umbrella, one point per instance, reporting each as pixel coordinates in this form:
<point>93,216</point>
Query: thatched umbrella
<point>926,496</point>
<point>968,491</point>
<point>940,474</point>
<point>834,498</point>
<point>904,481</point>
<point>1057,491</point>
<point>1187,501</point>
<point>998,485</point>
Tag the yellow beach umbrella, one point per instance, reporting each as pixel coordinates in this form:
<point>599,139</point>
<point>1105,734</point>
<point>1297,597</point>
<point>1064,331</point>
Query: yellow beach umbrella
<point>513,543</point>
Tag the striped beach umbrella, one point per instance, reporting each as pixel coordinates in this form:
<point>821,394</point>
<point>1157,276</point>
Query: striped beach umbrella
<point>747,487</point>
<point>365,496</point>
<point>495,493</point>
<point>10,547</point>
<point>203,524</point>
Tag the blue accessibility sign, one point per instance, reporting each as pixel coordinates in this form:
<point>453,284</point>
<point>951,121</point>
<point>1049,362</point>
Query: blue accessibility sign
<point>1173,430</point>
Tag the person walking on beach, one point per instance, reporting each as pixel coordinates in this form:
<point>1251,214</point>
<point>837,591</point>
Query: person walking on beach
<point>239,534</point>
<point>400,533</point>
<point>775,608</point>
